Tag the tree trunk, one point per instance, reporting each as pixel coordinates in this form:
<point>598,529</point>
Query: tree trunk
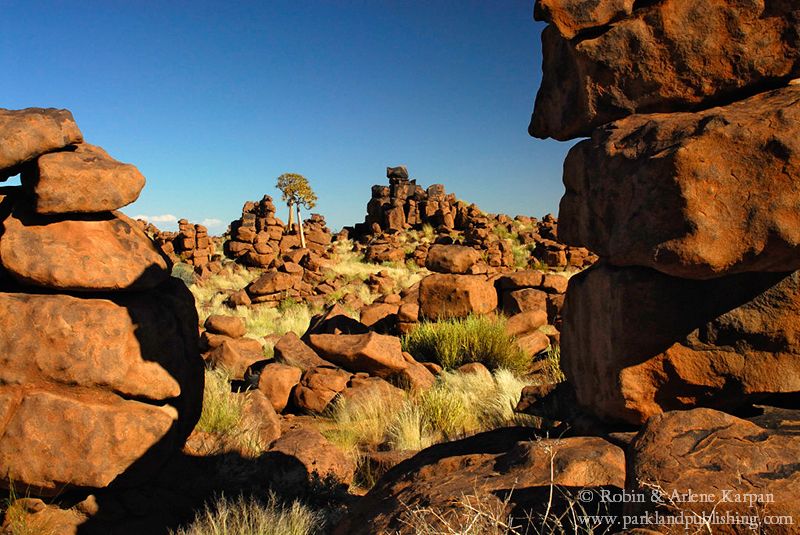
<point>300,224</point>
<point>291,217</point>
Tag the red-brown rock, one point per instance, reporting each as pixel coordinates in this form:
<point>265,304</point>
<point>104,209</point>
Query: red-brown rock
<point>305,453</point>
<point>102,252</point>
<point>318,387</point>
<point>573,16</point>
<point>376,354</point>
<point>668,56</point>
<point>292,351</point>
<point>451,258</point>
<point>84,180</point>
<point>705,194</point>
<point>455,296</point>
<point>232,326</point>
<point>29,133</point>
<point>277,381</point>
<point>660,343</point>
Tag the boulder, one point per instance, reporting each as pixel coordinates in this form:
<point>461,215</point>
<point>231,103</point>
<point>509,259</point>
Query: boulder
<point>376,354</point>
<point>533,343</point>
<point>84,180</point>
<point>276,383</point>
<point>520,279</point>
<point>451,258</point>
<point>29,133</point>
<point>260,419</point>
<point>232,326</point>
<point>443,481</point>
<point>318,387</point>
<point>668,56</point>
<point>290,350</point>
<point>303,454</point>
<point>705,194</point>
<point>455,296</point>
<point>368,390</point>
<point>270,283</point>
<point>571,17</point>
<point>101,252</point>
<point>526,322</point>
<point>525,300</point>
<point>660,343</point>
<point>228,356</point>
<point>76,371</point>
<point>703,462</point>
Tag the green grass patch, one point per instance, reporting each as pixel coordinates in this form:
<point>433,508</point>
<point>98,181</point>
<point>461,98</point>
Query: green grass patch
<point>458,341</point>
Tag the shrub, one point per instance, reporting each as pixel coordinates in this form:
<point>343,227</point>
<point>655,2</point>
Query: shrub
<point>454,342</point>
<point>248,516</point>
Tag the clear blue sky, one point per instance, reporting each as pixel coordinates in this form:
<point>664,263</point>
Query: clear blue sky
<point>213,100</point>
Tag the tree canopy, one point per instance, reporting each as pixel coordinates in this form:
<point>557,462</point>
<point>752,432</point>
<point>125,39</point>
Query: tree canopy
<point>296,190</point>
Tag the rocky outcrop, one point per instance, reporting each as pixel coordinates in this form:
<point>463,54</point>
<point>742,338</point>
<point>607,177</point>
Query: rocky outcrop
<point>100,377</point>
<point>660,57</point>
<point>692,209</point>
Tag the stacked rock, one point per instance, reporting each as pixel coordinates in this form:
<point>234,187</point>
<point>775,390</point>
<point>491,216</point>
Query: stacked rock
<point>256,236</point>
<point>694,210</point>
<point>318,235</point>
<point>191,244</point>
<point>101,380</point>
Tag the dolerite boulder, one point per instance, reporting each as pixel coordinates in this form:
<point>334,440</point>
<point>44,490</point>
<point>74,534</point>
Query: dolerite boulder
<point>100,376</point>
<point>707,464</point>
<point>32,132</point>
<point>661,343</point>
<point>455,296</point>
<point>666,56</point>
<point>705,194</point>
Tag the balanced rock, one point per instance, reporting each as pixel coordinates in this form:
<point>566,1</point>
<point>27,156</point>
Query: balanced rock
<point>32,132</point>
<point>667,56</point>
<point>99,252</point>
<point>86,179</point>
<point>705,194</point>
<point>661,343</point>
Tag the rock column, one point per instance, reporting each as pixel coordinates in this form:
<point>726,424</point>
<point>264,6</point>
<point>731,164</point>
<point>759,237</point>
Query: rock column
<point>100,376</point>
<point>688,191</point>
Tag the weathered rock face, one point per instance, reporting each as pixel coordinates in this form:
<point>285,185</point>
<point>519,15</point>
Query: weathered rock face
<point>750,472</point>
<point>446,479</point>
<point>95,389</point>
<point>99,252</point>
<point>666,56</point>
<point>455,296</point>
<point>705,194</point>
<point>571,17</point>
<point>86,179</point>
<point>32,132</point>
<point>661,343</point>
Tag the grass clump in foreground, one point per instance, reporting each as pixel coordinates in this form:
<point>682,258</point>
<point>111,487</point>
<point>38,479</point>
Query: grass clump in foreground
<point>456,406</point>
<point>247,516</point>
<point>454,342</point>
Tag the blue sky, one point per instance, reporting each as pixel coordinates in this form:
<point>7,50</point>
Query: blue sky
<point>213,100</point>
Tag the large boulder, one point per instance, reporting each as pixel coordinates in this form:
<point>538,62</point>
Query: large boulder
<point>442,483</point>
<point>667,56</point>
<point>455,296</point>
<point>99,252</point>
<point>451,258</point>
<point>86,179</point>
<point>276,383</point>
<point>376,354</point>
<point>571,17</point>
<point>707,464</point>
<point>636,343</point>
<point>705,194</point>
<point>29,133</point>
<point>302,456</point>
<point>318,387</point>
<point>108,387</point>
<point>292,351</point>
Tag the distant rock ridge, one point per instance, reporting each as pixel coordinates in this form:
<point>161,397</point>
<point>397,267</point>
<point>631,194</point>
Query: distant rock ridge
<point>100,375</point>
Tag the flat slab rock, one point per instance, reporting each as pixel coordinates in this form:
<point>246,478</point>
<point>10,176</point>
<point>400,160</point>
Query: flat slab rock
<point>84,180</point>
<point>733,468</point>
<point>29,133</point>
<point>484,469</point>
<point>661,343</point>
<point>92,389</point>
<point>667,56</point>
<point>704,194</point>
<point>103,252</point>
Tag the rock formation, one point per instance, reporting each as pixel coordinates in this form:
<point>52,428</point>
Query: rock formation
<point>693,210</point>
<point>100,377</point>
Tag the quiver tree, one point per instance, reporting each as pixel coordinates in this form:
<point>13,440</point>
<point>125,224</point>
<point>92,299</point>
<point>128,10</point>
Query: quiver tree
<point>296,193</point>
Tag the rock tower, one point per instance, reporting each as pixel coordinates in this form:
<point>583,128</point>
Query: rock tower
<point>687,189</point>
<point>100,376</point>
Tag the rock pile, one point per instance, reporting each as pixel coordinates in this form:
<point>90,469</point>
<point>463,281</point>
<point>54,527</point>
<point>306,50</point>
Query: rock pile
<point>404,206</point>
<point>259,239</point>
<point>693,212</point>
<point>100,380</point>
<point>191,244</point>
